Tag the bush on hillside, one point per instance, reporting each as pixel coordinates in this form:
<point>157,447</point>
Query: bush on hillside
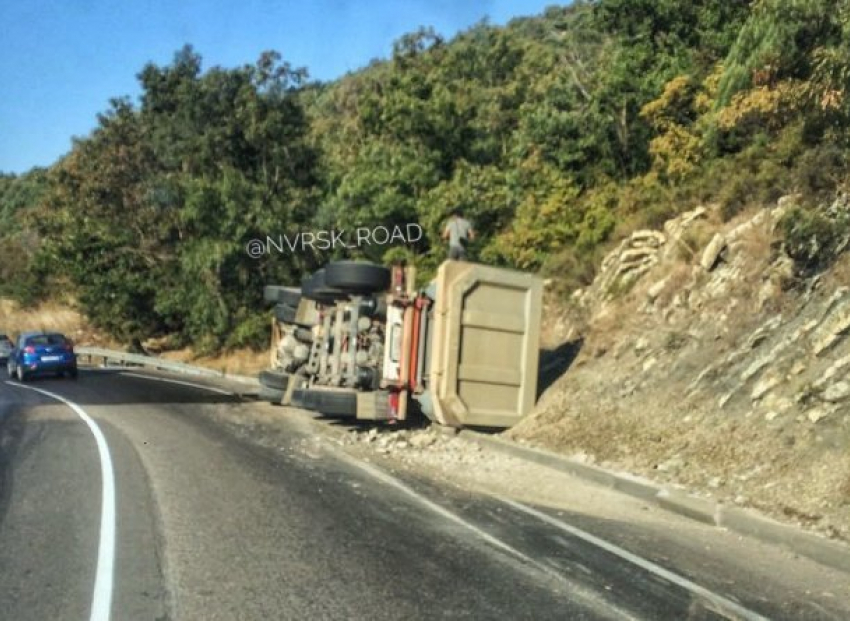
<point>814,238</point>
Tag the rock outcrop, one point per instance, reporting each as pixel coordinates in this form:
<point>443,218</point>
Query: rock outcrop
<point>709,347</point>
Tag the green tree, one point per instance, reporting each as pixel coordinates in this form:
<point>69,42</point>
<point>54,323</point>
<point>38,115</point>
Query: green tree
<point>150,215</point>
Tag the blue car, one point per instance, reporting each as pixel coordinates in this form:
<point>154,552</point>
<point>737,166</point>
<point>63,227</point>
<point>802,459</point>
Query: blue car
<point>38,353</point>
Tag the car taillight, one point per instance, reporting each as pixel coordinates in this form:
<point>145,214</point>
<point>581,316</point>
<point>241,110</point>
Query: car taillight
<point>29,349</point>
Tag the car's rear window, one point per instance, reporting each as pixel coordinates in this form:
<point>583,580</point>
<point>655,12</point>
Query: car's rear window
<point>47,339</point>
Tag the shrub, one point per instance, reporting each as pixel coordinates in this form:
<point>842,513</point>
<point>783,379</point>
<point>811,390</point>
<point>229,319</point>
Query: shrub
<point>771,182</point>
<point>734,197</point>
<point>811,237</point>
<point>252,331</point>
<point>572,269</point>
<point>818,170</point>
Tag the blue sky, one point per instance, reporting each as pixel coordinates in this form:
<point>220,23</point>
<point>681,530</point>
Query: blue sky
<point>61,61</point>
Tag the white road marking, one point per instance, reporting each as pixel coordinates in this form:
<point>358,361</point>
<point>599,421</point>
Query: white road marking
<point>392,481</point>
<point>104,577</point>
<point>182,383</point>
<point>589,597</point>
<point>723,603</point>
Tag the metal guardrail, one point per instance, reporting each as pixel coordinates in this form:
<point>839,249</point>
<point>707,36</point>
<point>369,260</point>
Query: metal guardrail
<point>152,362</point>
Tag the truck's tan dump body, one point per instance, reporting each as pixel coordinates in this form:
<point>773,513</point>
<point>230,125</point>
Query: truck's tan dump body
<point>484,356</point>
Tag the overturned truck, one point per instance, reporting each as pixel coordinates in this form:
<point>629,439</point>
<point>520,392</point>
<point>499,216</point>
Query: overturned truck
<point>360,340</point>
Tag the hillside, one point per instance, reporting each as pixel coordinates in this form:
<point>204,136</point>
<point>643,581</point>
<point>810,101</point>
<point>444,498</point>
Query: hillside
<point>539,130</point>
<point>714,366</point>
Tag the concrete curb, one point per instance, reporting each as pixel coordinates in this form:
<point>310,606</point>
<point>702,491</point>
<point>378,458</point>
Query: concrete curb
<point>742,521</point>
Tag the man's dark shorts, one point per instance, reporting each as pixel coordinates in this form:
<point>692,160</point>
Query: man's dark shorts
<point>457,253</point>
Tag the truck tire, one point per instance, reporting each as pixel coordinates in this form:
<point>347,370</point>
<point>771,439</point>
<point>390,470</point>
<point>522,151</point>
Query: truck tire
<point>357,277</point>
<point>304,333</point>
<point>274,379</point>
<point>315,288</point>
<point>272,395</point>
<point>285,313</point>
<point>330,402</point>
<point>282,295</point>
<point>296,400</point>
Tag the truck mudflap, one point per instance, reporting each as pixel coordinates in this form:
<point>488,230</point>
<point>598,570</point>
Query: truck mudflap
<point>484,345</point>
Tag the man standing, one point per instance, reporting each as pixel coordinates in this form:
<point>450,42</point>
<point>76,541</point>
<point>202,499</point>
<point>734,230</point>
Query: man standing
<point>459,232</point>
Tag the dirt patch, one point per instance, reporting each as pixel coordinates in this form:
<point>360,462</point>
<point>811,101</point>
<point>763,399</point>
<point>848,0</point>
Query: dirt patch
<point>237,362</point>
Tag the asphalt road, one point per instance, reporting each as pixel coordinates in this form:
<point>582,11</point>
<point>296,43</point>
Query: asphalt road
<point>206,524</point>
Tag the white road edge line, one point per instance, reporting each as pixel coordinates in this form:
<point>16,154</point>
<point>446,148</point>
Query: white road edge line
<point>393,482</point>
<point>587,595</point>
<point>182,383</point>
<point>726,604</point>
<point>104,577</point>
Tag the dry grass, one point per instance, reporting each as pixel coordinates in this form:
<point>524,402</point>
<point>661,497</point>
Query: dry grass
<point>676,281</point>
<point>616,321</point>
<point>844,492</point>
<point>758,243</point>
<point>839,273</point>
<point>49,316</point>
<point>237,362</point>
<point>694,239</point>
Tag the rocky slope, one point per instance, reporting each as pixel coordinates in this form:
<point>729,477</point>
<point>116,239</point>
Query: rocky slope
<point>707,360</point>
